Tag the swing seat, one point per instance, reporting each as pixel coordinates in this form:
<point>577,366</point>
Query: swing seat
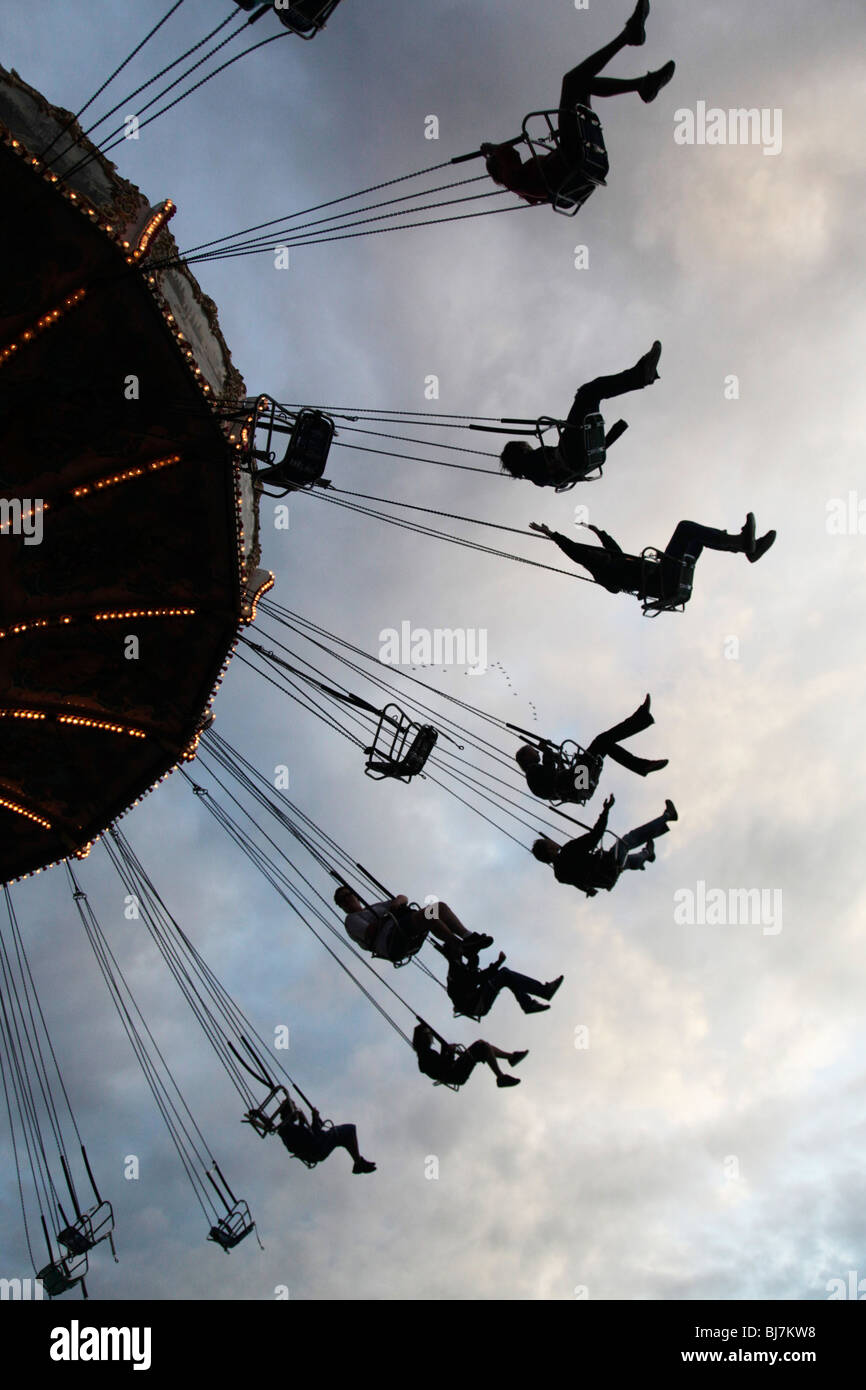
<point>232,1228</point>
<point>264,1118</point>
<point>570,755</point>
<point>570,191</point>
<point>411,950</point>
<point>90,1228</point>
<point>307,454</point>
<point>594,449</point>
<point>62,1275</point>
<point>314,1162</point>
<point>400,747</point>
<point>305,17</point>
<point>680,592</point>
<point>452,1085</point>
<point>594,442</point>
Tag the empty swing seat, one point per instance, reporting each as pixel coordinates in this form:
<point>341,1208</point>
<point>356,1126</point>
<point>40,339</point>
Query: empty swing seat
<point>60,1276</point>
<point>418,751</point>
<point>90,1228</point>
<point>307,454</point>
<point>400,747</point>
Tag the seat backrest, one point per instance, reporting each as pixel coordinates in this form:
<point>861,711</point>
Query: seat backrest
<point>309,445</point>
<point>306,17</point>
<point>594,440</point>
<point>232,1228</point>
<point>419,750</point>
<point>675,575</point>
<point>59,1277</point>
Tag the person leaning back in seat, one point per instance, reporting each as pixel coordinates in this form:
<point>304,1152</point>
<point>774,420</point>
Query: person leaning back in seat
<point>393,929</point>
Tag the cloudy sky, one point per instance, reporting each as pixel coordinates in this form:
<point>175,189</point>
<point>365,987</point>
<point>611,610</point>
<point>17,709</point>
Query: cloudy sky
<point>709,1141</point>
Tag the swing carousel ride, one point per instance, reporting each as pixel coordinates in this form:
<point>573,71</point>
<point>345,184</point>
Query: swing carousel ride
<point>122,417</point>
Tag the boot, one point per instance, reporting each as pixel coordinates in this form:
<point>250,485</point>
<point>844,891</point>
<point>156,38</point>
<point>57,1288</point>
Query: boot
<point>652,84</point>
<point>747,535</point>
<point>741,542</point>
<point>475,942</point>
<point>635,31</point>
<point>649,362</point>
<point>761,547</point>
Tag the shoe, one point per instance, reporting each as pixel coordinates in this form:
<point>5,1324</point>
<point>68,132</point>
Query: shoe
<point>475,942</point>
<point>650,854</point>
<point>508,1080</point>
<point>671,812</point>
<point>645,707</point>
<point>363,1165</point>
<point>761,547</point>
<point>652,84</point>
<point>747,534</point>
<point>552,986</point>
<point>649,362</point>
<point>517,1057</point>
<point>533,1007</point>
<point>635,32</point>
<point>654,765</point>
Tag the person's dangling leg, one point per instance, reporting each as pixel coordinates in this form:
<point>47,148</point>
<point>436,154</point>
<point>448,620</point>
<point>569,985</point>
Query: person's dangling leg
<point>588,398</point>
<point>579,83</point>
<point>690,538</point>
<point>604,388</point>
<point>584,81</point>
<point>639,858</point>
<point>635,724</point>
<point>642,766</point>
<point>523,987</point>
<point>633,839</point>
<point>483,1051</point>
<point>346,1137</point>
<point>446,925</point>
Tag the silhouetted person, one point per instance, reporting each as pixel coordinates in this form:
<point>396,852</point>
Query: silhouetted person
<point>504,164</point>
<point>311,1141</point>
<point>393,929</point>
<point>658,582</point>
<point>583,865</point>
<point>473,991</point>
<point>546,466</point>
<point>548,778</point>
<point>453,1065</point>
